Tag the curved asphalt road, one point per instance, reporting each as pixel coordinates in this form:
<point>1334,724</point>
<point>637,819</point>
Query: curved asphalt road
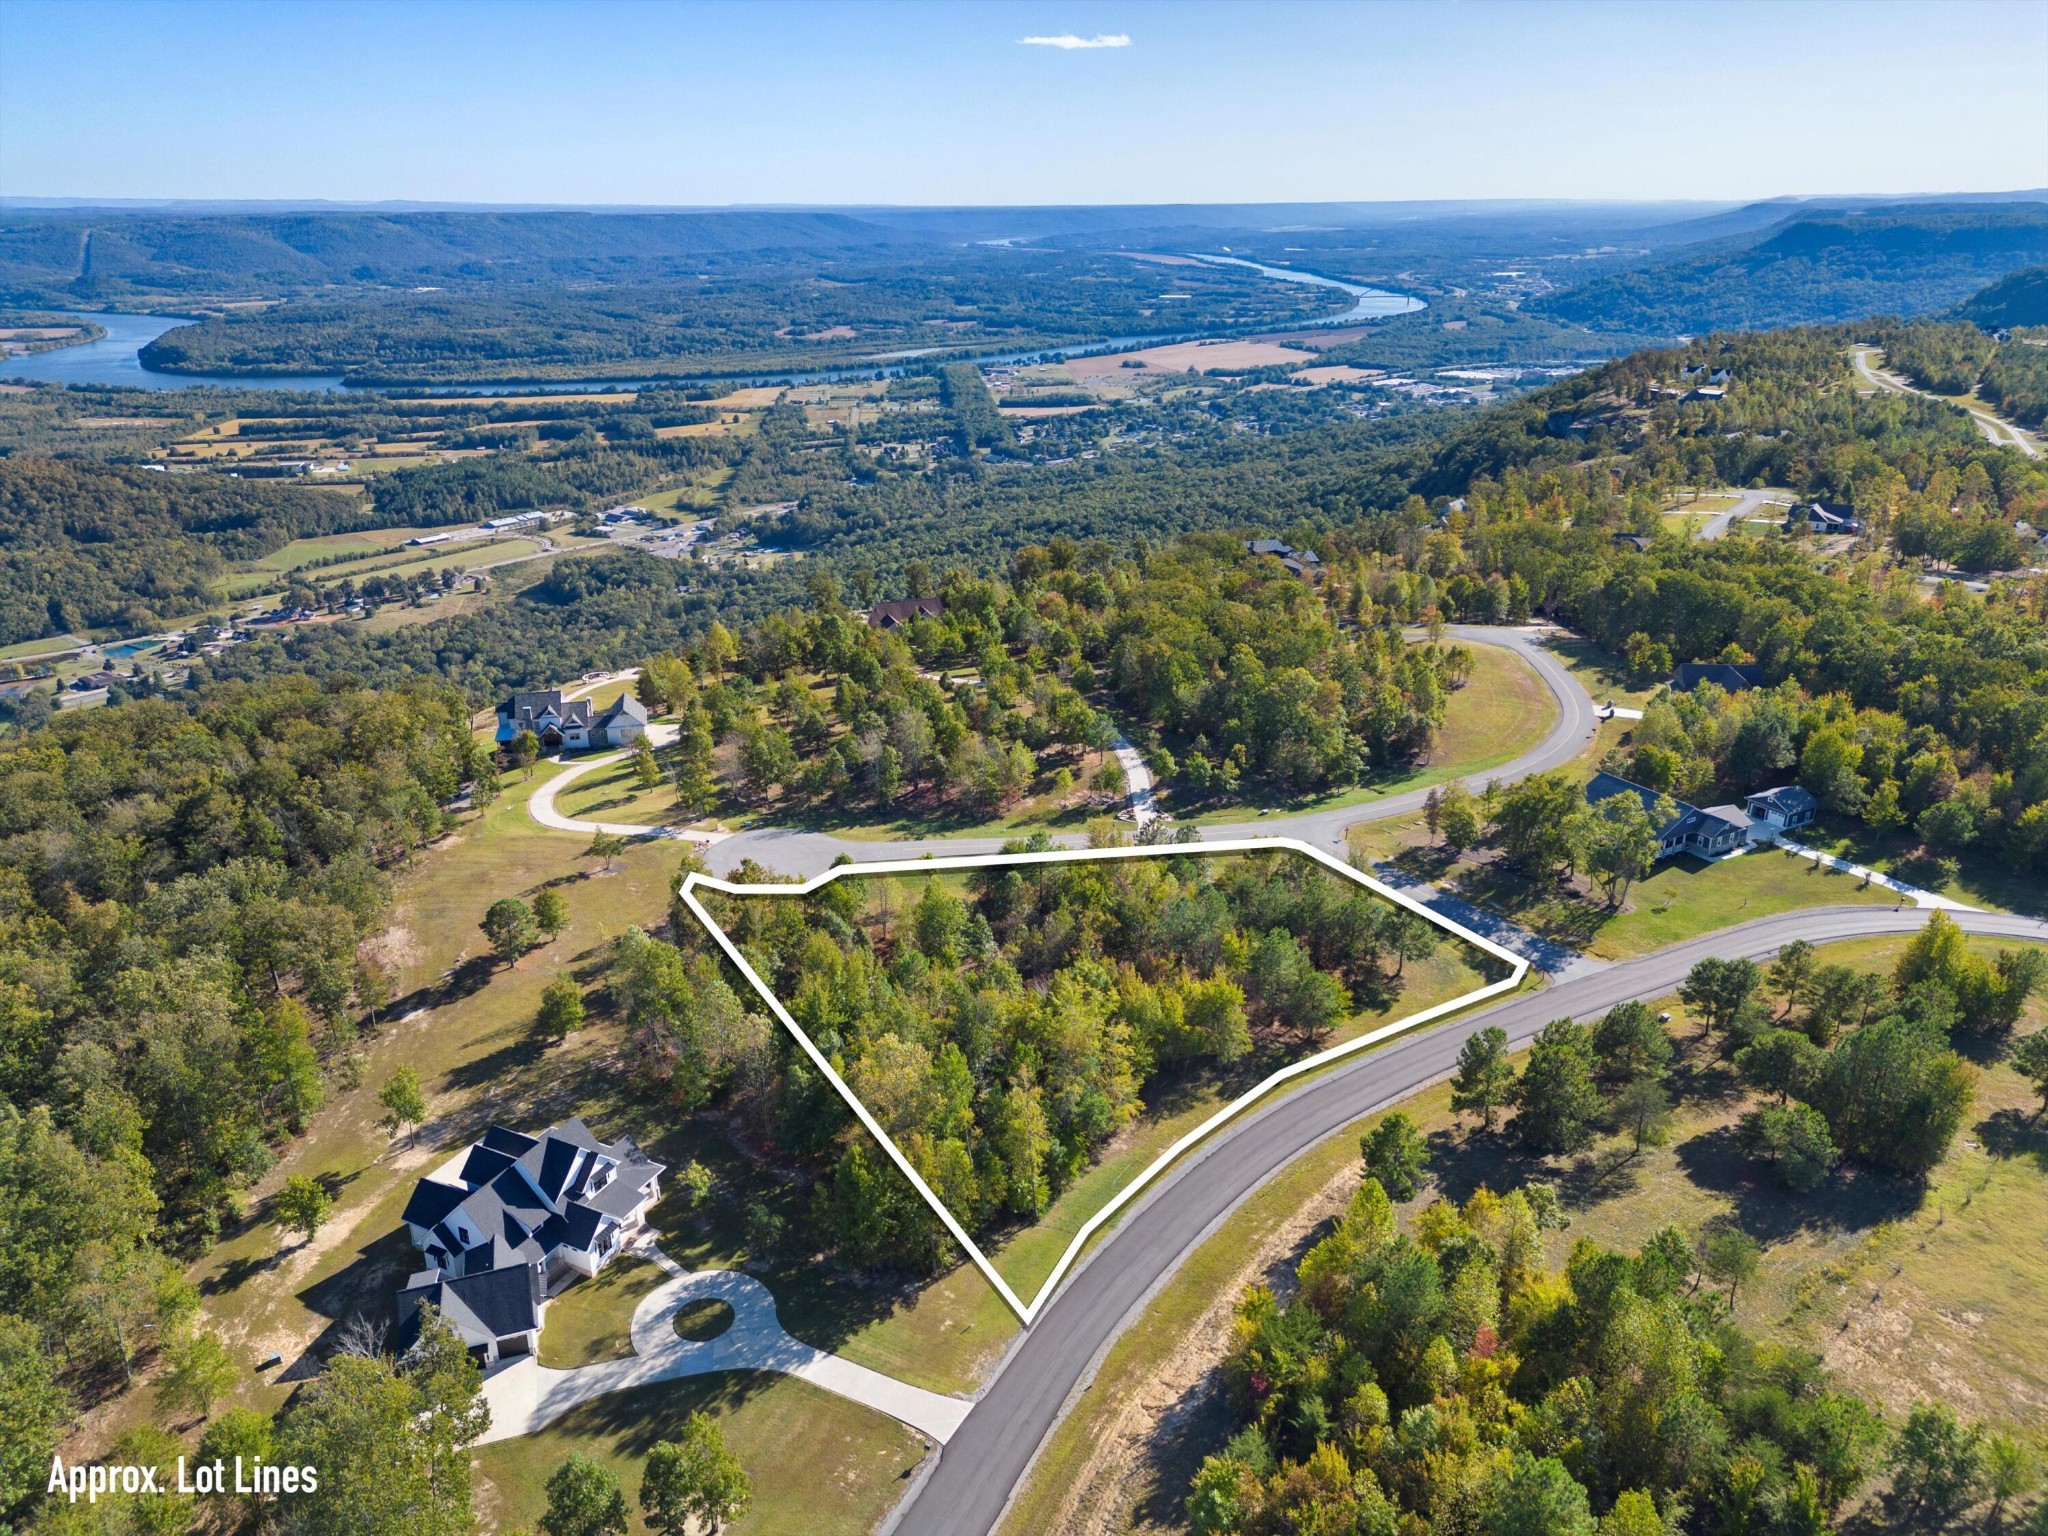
<point>792,852</point>
<point>968,1488</point>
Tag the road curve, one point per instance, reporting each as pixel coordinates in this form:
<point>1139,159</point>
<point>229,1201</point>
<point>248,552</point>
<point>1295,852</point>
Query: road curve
<point>793,852</point>
<point>977,1473</point>
<point>1997,431</point>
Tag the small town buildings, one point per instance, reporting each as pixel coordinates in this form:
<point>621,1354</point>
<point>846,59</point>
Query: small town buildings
<point>894,615</point>
<point>572,725</point>
<point>1782,809</point>
<point>508,1222</point>
<point>1705,833</point>
<point>1734,676</point>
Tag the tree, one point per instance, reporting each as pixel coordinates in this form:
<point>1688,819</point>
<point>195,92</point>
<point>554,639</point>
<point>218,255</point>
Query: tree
<point>561,1009</point>
<point>523,751</point>
<point>33,1411</point>
<point>1634,1514</point>
<point>301,1204</point>
<point>390,1439</point>
<point>1541,823</point>
<point>693,1479</point>
<point>551,912</point>
<point>584,1499</point>
<point>1621,842</point>
<point>1410,937</point>
<point>1781,1061</point>
<point>607,846</point>
<point>1937,1464</point>
<point>509,925</point>
<point>1718,991</point>
<point>1555,1101</point>
<point>1629,1043</point>
<point>240,1432</point>
<point>1894,1095</point>
<point>1458,818</point>
<point>405,1105</point>
<point>1792,975</point>
<point>1485,1080</point>
<point>1728,1256</point>
<point>646,771</point>
<point>696,787</point>
<point>2030,1057</point>
<point>1794,1139</point>
<point>1642,1110</point>
<point>2010,1472</point>
<point>197,1373</point>
<point>1396,1155</point>
<point>1536,1497</point>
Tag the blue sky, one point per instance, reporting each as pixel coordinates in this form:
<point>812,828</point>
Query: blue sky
<point>930,103</point>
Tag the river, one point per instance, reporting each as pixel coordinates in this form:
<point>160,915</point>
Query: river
<point>115,359</point>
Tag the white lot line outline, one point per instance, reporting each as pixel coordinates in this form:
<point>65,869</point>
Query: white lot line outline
<point>1517,969</point>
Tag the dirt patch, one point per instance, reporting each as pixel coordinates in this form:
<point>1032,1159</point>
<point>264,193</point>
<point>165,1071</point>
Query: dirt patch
<point>1124,1483</point>
<point>1337,373</point>
<point>1202,356</point>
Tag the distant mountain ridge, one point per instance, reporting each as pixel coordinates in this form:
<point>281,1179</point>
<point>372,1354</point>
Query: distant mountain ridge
<point>2018,298</point>
<point>1816,267</point>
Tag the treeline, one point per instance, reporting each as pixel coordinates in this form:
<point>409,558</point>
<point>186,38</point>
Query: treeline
<point>84,545</point>
<point>580,467</point>
<point>1242,675</point>
<point>185,892</point>
<point>1003,1030</point>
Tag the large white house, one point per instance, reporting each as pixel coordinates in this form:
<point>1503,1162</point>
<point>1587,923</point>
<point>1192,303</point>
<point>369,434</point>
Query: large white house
<point>507,1223</point>
<point>571,724</point>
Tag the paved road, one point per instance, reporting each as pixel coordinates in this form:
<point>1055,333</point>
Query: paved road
<point>792,852</point>
<point>1752,503</point>
<point>992,1450</point>
<point>1997,431</point>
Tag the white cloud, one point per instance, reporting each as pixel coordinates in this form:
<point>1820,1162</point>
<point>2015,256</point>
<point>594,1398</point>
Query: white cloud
<point>1069,40</point>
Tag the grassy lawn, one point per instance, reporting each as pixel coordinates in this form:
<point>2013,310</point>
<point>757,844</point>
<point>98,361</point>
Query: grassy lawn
<point>614,794</point>
<point>1497,716</point>
<point>820,1465</point>
<point>300,551</point>
<point>1981,879</point>
<point>592,1320</point>
<point>703,1320</point>
<point>1681,900</point>
<point>22,650</point>
<point>1908,1292</point>
<point>1604,675</point>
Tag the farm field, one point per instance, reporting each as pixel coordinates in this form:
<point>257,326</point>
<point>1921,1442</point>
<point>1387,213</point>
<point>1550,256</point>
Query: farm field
<point>1201,356</point>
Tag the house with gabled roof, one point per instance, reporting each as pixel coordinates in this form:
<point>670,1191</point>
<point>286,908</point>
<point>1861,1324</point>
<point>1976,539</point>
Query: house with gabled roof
<point>1782,809</point>
<point>506,1223</point>
<point>1706,833</point>
<point>904,610</point>
<point>572,725</point>
<point>1734,676</point>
